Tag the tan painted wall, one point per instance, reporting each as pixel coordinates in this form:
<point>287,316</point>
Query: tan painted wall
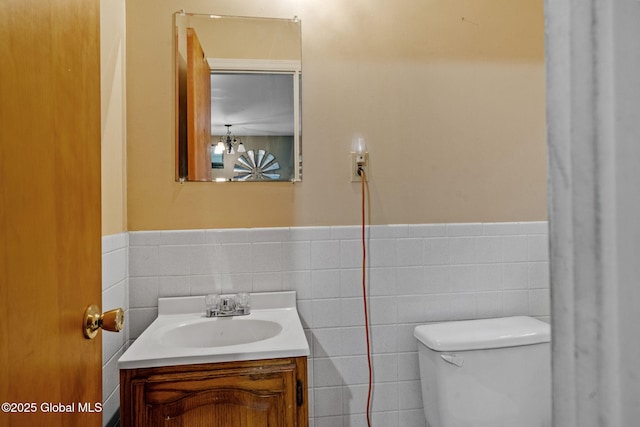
<point>248,38</point>
<point>449,94</point>
<point>112,65</point>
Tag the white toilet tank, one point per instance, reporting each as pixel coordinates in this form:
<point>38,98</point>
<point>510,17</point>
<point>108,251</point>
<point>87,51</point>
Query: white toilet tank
<point>486,373</point>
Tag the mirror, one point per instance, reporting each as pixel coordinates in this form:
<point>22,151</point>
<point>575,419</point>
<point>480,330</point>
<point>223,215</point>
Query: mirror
<point>237,98</point>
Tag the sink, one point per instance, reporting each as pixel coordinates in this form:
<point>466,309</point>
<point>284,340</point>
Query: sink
<point>219,332</point>
<point>183,335</point>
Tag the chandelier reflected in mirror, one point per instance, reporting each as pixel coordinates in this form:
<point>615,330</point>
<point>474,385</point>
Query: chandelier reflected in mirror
<point>229,143</point>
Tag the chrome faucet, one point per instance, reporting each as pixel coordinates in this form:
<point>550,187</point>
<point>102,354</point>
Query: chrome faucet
<point>226,306</point>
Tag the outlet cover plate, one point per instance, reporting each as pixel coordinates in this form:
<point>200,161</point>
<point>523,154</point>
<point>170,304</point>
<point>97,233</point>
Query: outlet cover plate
<point>354,168</point>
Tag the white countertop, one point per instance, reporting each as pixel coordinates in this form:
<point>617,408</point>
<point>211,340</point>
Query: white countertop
<point>149,350</point>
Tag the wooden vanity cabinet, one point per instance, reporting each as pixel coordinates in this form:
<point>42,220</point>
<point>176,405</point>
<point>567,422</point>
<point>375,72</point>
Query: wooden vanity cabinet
<point>256,393</point>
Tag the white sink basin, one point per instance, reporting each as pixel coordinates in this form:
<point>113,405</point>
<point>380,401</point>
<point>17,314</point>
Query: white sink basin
<point>219,332</point>
<point>182,335</point>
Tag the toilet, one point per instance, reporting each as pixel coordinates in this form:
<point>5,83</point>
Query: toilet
<point>486,373</point>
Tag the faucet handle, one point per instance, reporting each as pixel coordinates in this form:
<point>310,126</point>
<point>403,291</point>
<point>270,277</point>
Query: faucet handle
<point>243,302</point>
<point>212,302</point>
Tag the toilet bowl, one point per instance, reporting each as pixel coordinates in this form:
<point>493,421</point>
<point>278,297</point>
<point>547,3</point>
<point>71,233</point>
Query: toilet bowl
<point>486,373</point>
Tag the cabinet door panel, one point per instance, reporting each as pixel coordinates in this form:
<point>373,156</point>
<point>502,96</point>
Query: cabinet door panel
<point>238,394</point>
<point>225,415</point>
<point>231,397</point>
<point>223,407</point>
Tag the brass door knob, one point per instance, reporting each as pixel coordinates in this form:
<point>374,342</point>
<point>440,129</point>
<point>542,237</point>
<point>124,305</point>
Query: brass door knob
<point>112,320</point>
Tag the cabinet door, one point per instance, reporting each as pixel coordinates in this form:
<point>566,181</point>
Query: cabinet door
<point>230,397</point>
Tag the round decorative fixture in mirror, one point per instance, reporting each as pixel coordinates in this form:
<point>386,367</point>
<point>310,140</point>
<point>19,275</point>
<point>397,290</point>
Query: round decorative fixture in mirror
<point>260,166</point>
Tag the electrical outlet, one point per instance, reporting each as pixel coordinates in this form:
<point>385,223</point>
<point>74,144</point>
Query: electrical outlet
<point>359,161</point>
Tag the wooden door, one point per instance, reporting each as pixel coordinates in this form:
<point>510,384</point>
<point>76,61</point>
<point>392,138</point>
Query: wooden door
<point>50,232</point>
<point>198,110</point>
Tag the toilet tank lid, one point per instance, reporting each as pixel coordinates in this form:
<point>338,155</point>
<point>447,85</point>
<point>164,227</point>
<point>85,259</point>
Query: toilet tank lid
<point>483,333</point>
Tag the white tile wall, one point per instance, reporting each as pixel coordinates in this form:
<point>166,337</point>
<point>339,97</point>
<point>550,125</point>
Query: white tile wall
<point>115,293</point>
<point>417,273</point>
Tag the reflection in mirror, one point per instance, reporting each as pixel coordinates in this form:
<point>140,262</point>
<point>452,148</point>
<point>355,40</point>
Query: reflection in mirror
<point>237,98</point>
